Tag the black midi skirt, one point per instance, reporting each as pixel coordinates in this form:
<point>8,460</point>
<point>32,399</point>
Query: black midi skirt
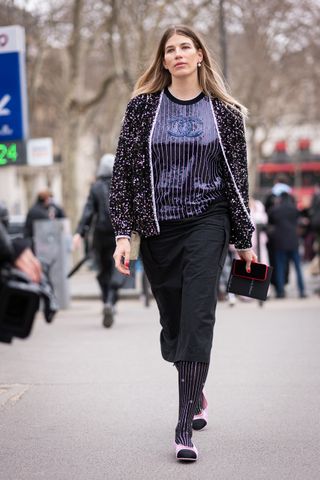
<point>183,265</point>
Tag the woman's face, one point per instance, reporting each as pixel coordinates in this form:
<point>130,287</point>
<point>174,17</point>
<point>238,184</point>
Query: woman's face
<point>181,56</point>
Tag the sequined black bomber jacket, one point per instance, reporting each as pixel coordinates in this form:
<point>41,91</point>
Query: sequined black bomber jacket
<point>132,198</point>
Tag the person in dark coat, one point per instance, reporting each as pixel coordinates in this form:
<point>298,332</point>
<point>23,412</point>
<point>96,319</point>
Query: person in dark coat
<point>42,209</point>
<point>15,252</point>
<point>315,223</point>
<point>95,212</point>
<point>280,185</point>
<point>283,218</point>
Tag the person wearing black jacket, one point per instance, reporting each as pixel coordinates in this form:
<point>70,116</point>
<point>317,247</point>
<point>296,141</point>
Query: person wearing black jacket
<point>42,209</point>
<point>15,253</point>
<point>283,219</point>
<point>96,211</point>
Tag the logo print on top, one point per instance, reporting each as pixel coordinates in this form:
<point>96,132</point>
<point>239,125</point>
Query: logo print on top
<point>185,127</point>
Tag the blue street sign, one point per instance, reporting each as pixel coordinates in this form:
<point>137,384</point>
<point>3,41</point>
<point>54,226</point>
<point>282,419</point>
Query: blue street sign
<point>13,90</point>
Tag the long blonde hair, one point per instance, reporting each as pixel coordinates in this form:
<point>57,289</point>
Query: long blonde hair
<point>156,77</point>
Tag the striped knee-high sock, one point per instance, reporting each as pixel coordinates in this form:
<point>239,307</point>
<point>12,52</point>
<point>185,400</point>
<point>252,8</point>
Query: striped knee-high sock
<point>192,377</point>
<point>199,406</point>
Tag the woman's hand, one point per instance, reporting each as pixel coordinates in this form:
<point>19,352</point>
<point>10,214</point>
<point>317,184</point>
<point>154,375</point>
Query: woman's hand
<point>248,256</point>
<point>122,256</point>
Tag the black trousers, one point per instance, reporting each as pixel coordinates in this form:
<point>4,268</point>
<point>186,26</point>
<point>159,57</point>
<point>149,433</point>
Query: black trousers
<point>183,265</point>
<point>103,248</point>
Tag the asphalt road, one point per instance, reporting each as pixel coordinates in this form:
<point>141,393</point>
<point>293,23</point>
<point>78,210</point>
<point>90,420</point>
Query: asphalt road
<point>78,401</point>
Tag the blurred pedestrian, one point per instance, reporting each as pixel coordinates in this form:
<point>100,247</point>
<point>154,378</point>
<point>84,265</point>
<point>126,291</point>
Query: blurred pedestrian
<point>180,177</point>
<point>259,238</point>
<point>315,224</point>
<point>280,185</point>
<point>315,211</point>
<point>96,212</point>
<point>283,217</point>
<point>42,209</point>
<point>20,292</point>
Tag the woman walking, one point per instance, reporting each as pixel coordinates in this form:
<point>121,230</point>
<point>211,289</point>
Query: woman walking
<point>180,180</point>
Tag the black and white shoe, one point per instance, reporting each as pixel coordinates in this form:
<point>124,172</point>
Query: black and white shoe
<point>186,454</point>
<point>200,420</point>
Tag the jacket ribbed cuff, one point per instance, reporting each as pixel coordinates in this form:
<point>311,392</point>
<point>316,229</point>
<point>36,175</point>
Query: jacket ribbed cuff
<point>122,236</point>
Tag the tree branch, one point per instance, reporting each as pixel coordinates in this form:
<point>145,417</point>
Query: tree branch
<point>193,12</point>
<point>74,47</point>
<point>83,107</point>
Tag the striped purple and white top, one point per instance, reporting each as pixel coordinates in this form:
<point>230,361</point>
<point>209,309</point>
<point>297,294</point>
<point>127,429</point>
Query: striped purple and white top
<point>186,158</point>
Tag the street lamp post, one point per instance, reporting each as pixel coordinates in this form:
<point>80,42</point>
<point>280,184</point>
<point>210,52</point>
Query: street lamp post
<point>223,40</point>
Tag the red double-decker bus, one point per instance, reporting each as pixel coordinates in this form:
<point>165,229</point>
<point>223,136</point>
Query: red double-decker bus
<point>302,172</point>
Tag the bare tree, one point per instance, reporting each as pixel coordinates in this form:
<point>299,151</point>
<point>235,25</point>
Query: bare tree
<point>85,56</point>
<point>268,65</point>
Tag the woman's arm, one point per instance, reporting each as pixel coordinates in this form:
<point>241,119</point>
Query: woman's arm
<point>121,192</point>
<point>243,238</point>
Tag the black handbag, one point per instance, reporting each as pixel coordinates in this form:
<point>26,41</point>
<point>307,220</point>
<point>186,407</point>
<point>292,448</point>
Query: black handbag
<point>254,284</point>
<point>19,302</point>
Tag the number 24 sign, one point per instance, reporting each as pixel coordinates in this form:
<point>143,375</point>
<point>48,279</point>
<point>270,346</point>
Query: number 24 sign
<point>12,153</point>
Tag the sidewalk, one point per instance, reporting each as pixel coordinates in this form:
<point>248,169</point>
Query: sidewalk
<point>78,401</point>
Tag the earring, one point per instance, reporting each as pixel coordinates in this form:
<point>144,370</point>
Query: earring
<point>199,64</point>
